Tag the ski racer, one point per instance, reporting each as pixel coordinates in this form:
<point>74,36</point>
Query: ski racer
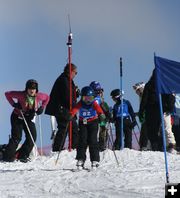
<point>99,97</point>
<point>89,111</point>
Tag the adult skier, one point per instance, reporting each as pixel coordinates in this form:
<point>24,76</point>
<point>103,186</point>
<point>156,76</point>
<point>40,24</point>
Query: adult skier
<point>27,104</point>
<point>59,104</point>
<point>143,140</point>
<point>150,108</point>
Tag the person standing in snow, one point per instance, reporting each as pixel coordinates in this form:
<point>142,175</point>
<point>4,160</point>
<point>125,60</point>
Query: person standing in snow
<point>59,106</point>
<point>149,110</point>
<point>89,111</point>
<point>176,121</point>
<point>27,104</point>
<point>143,140</point>
<point>99,97</point>
<point>129,121</point>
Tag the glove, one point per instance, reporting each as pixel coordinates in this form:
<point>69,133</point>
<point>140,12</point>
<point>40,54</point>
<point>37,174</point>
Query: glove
<point>78,92</point>
<point>39,110</point>
<point>69,117</point>
<point>141,117</point>
<point>133,124</point>
<point>17,105</point>
<point>102,118</point>
<point>102,124</point>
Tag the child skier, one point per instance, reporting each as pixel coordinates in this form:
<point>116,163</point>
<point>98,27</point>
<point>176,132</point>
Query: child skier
<point>26,105</point>
<point>99,97</point>
<point>129,121</point>
<point>89,110</point>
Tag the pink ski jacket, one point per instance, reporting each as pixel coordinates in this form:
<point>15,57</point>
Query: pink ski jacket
<point>41,99</point>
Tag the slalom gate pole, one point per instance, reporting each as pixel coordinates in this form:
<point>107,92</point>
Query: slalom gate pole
<point>164,138</point>
<point>69,44</point>
<point>121,88</point>
<point>62,142</point>
<point>111,141</point>
<point>40,133</point>
<point>29,131</point>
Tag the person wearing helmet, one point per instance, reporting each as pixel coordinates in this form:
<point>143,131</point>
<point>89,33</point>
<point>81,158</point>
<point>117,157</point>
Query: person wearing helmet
<point>129,121</point>
<point>143,140</point>
<point>89,112</point>
<point>99,97</point>
<point>29,103</point>
<point>59,106</point>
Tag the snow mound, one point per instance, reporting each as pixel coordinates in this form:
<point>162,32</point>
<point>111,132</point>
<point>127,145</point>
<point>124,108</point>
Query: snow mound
<point>139,174</point>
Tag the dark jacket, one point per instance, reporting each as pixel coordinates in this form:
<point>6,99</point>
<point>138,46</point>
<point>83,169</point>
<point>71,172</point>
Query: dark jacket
<point>60,95</point>
<point>150,99</point>
<point>168,103</point>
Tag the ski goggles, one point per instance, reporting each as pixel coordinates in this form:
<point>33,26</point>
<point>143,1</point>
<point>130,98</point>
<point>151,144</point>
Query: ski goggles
<point>88,99</point>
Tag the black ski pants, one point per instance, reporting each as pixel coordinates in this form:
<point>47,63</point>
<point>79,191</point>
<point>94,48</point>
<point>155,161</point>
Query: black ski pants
<point>127,129</point>
<point>153,122</point>
<point>62,133</point>
<point>143,140</point>
<point>88,137</point>
<point>17,126</point>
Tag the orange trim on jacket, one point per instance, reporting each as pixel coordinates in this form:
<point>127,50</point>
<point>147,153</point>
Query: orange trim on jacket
<point>95,105</point>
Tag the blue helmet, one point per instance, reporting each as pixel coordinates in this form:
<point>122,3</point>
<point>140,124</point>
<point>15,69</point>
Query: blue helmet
<point>87,95</point>
<point>96,86</point>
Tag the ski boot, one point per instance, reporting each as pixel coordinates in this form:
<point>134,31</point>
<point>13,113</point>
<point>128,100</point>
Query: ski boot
<point>94,165</point>
<point>80,164</point>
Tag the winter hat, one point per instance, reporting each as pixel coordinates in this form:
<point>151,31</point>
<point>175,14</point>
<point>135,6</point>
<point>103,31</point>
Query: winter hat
<point>116,93</point>
<point>139,85</point>
<point>31,84</point>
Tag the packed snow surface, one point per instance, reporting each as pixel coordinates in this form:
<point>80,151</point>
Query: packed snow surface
<point>139,174</point>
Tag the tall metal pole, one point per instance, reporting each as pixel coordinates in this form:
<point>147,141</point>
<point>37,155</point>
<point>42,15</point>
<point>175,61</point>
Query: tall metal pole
<point>121,89</point>
<point>69,44</point>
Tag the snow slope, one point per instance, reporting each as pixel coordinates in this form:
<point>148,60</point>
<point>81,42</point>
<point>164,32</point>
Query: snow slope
<point>139,174</point>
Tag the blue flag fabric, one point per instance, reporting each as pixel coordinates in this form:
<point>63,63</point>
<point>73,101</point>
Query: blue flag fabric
<point>167,75</point>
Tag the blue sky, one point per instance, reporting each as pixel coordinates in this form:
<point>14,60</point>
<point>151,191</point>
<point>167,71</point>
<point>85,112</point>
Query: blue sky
<point>33,40</point>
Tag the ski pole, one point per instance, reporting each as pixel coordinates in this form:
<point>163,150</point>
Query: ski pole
<point>40,132</point>
<point>121,88</point>
<point>136,114</point>
<point>69,44</point>
<point>62,142</point>
<point>111,141</point>
<point>136,137</point>
<point>53,127</point>
<point>29,131</point>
